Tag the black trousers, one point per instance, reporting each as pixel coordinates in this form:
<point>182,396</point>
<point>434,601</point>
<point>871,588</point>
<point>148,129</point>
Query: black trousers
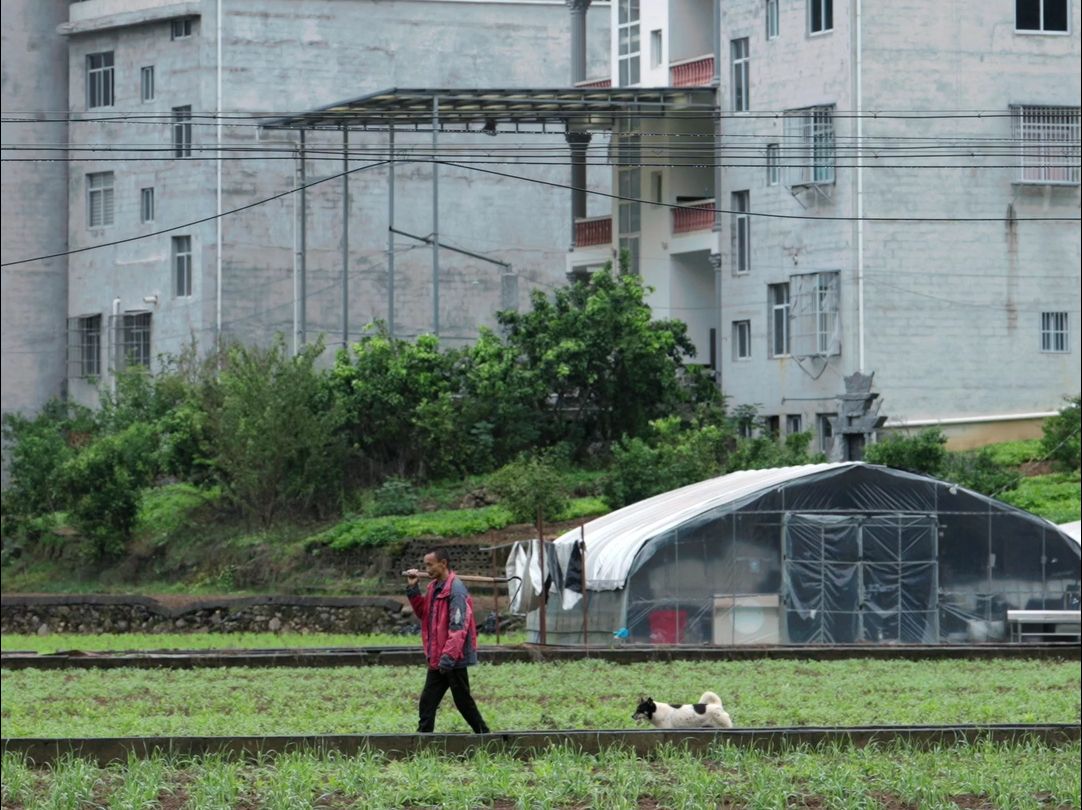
<point>436,686</point>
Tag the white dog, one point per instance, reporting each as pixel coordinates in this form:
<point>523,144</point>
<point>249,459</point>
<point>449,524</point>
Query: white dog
<point>707,713</point>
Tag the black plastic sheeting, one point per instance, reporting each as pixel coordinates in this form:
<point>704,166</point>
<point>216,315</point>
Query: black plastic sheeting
<point>852,555</point>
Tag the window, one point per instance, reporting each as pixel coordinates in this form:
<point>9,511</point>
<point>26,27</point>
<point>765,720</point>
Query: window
<point>655,48</point>
<point>90,346</point>
<point>772,19</point>
<point>1048,140</point>
<point>182,131</point>
<point>778,298</point>
<point>135,339</point>
<point>182,266</point>
<point>741,340</point>
<point>809,138</point>
<point>773,164</point>
<point>99,80</point>
<point>1048,16</point>
<point>793,423</point>
<point>180,29</point>
<point>99,199</point>
<point>825,429</point>
<point>1054,332</point>
<point>738,48</point>
<point>628,36</point>
<point>655,188</point>
<point>741,232</point>
<point>820,16</point>
<point>629,179</point>
<point>772,426</point>
<point>146,205</point>
<point>146,83</point>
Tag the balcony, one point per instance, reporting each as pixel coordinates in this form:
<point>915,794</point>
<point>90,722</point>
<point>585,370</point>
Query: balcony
<point>593,231</point>
<point>695,72</point>
<point>606,82</point>
<point>697,216</point>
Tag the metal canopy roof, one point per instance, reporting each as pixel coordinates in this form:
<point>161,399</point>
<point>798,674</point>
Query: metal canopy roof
<point>592,107</point>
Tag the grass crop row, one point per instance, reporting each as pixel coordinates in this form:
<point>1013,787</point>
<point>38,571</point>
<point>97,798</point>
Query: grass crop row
<point>220,641</point>
<point>583,694</point>
<point>1018,777</point>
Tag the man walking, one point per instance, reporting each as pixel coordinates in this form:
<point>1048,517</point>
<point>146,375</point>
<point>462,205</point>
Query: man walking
<point>449,638</point>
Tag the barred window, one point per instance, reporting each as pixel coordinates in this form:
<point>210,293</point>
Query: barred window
<point>135,339</point>
<point>99,80</point>
<point>809,145</point>
<point>1048,143</point>
<point>99,199</point>
<point>1054,332</point>
<point>629,187</point>
<point>794,422</point>
<point>778,298</point>
<point>90,346</point>
<point>814,317</point>
<point>182,131</point>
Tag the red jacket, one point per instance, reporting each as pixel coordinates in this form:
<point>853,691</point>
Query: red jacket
<point>448,629</point>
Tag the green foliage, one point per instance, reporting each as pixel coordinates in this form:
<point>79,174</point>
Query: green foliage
<point>980,471</point>
<point>279,448</point>
<point>1056,497</point>
<point>1062,442</point>
<point>530,488</point>
<point>395,496</point>
<point>104,484</point>
<point>1014,454</point>
<point>923,453</point>
<point>166,510</point>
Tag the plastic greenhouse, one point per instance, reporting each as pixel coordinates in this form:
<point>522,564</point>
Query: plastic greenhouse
<point>816,554</point>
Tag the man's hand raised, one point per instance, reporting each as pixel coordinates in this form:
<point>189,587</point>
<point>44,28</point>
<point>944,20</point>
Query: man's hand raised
<point>412,576</point>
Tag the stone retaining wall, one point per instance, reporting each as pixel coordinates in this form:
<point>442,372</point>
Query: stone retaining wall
<point>42,615</point>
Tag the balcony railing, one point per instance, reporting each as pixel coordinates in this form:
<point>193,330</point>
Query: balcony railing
<point>695,72</point>
<point>697,216</point>
<point>593,231</point>
<point>595,83</point>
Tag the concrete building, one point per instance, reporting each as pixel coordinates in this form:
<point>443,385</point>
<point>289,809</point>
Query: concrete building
<point>160,90</point>
<point>894,191</point>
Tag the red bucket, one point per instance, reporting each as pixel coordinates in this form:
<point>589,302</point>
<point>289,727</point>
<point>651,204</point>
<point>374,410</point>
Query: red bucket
<point>668,626</point>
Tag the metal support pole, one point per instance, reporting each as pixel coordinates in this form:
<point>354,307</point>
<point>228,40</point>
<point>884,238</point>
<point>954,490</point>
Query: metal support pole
<point>345,238</point>
<point>435,219</point>
<point>390,233</point>
<point>585,592</point>
<point>495,597</point>
<point>544,571</point>
<point>715,260</point>
<point>302,247</point>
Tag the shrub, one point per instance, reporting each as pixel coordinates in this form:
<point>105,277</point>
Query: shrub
<point>923,453</point>
<point>395,496</point>
<point>1055,497</point>
<point>530,487</point>
<point>1062,442</point>
<point>978,470</point>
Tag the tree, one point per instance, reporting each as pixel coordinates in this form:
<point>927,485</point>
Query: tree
<point>1061,441</point>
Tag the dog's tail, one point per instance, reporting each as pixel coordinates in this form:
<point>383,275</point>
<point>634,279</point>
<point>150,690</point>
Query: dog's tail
<point>710,697</point>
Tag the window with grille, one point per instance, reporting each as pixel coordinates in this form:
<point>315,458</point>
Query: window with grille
<point>793,423</point>
<point>180,29</point>
<point>99,199</point>
<point>738,49</point>
<point>146,205</point>
<point>773,164</point>
<point>629,210</point>
<point>741,231</point>
<point>820,16</point>
<point>182,266</point>
<point>773,21</point>
<point>99,80</point>
<point>813,314</point>
<point>1048,143</point>
<point>741,340</point>
<point>1054,333</point>
<point>182,131</point>
<point>628,35</point>
<point>809,143</point>
<point>825,429</point>
<point>1041,15</point>
<point>146,83</point>
<point>778,298</point>
<point>89,346</point>
<point>135,339</point>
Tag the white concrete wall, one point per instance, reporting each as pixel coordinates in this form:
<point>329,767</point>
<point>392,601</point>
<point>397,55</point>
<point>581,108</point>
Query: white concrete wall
<point>34,80</point>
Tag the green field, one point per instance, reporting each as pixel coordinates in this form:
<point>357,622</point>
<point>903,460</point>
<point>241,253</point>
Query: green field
<point>575,695</point>
<point>55,642</point>
<point>1016,777</point>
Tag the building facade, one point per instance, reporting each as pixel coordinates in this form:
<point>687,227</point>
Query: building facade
<point>886,189</point>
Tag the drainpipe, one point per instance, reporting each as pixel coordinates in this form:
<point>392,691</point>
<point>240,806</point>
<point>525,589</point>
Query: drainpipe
<point>715,258</point>
<point>218,182</point>
<point>859,108</point>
